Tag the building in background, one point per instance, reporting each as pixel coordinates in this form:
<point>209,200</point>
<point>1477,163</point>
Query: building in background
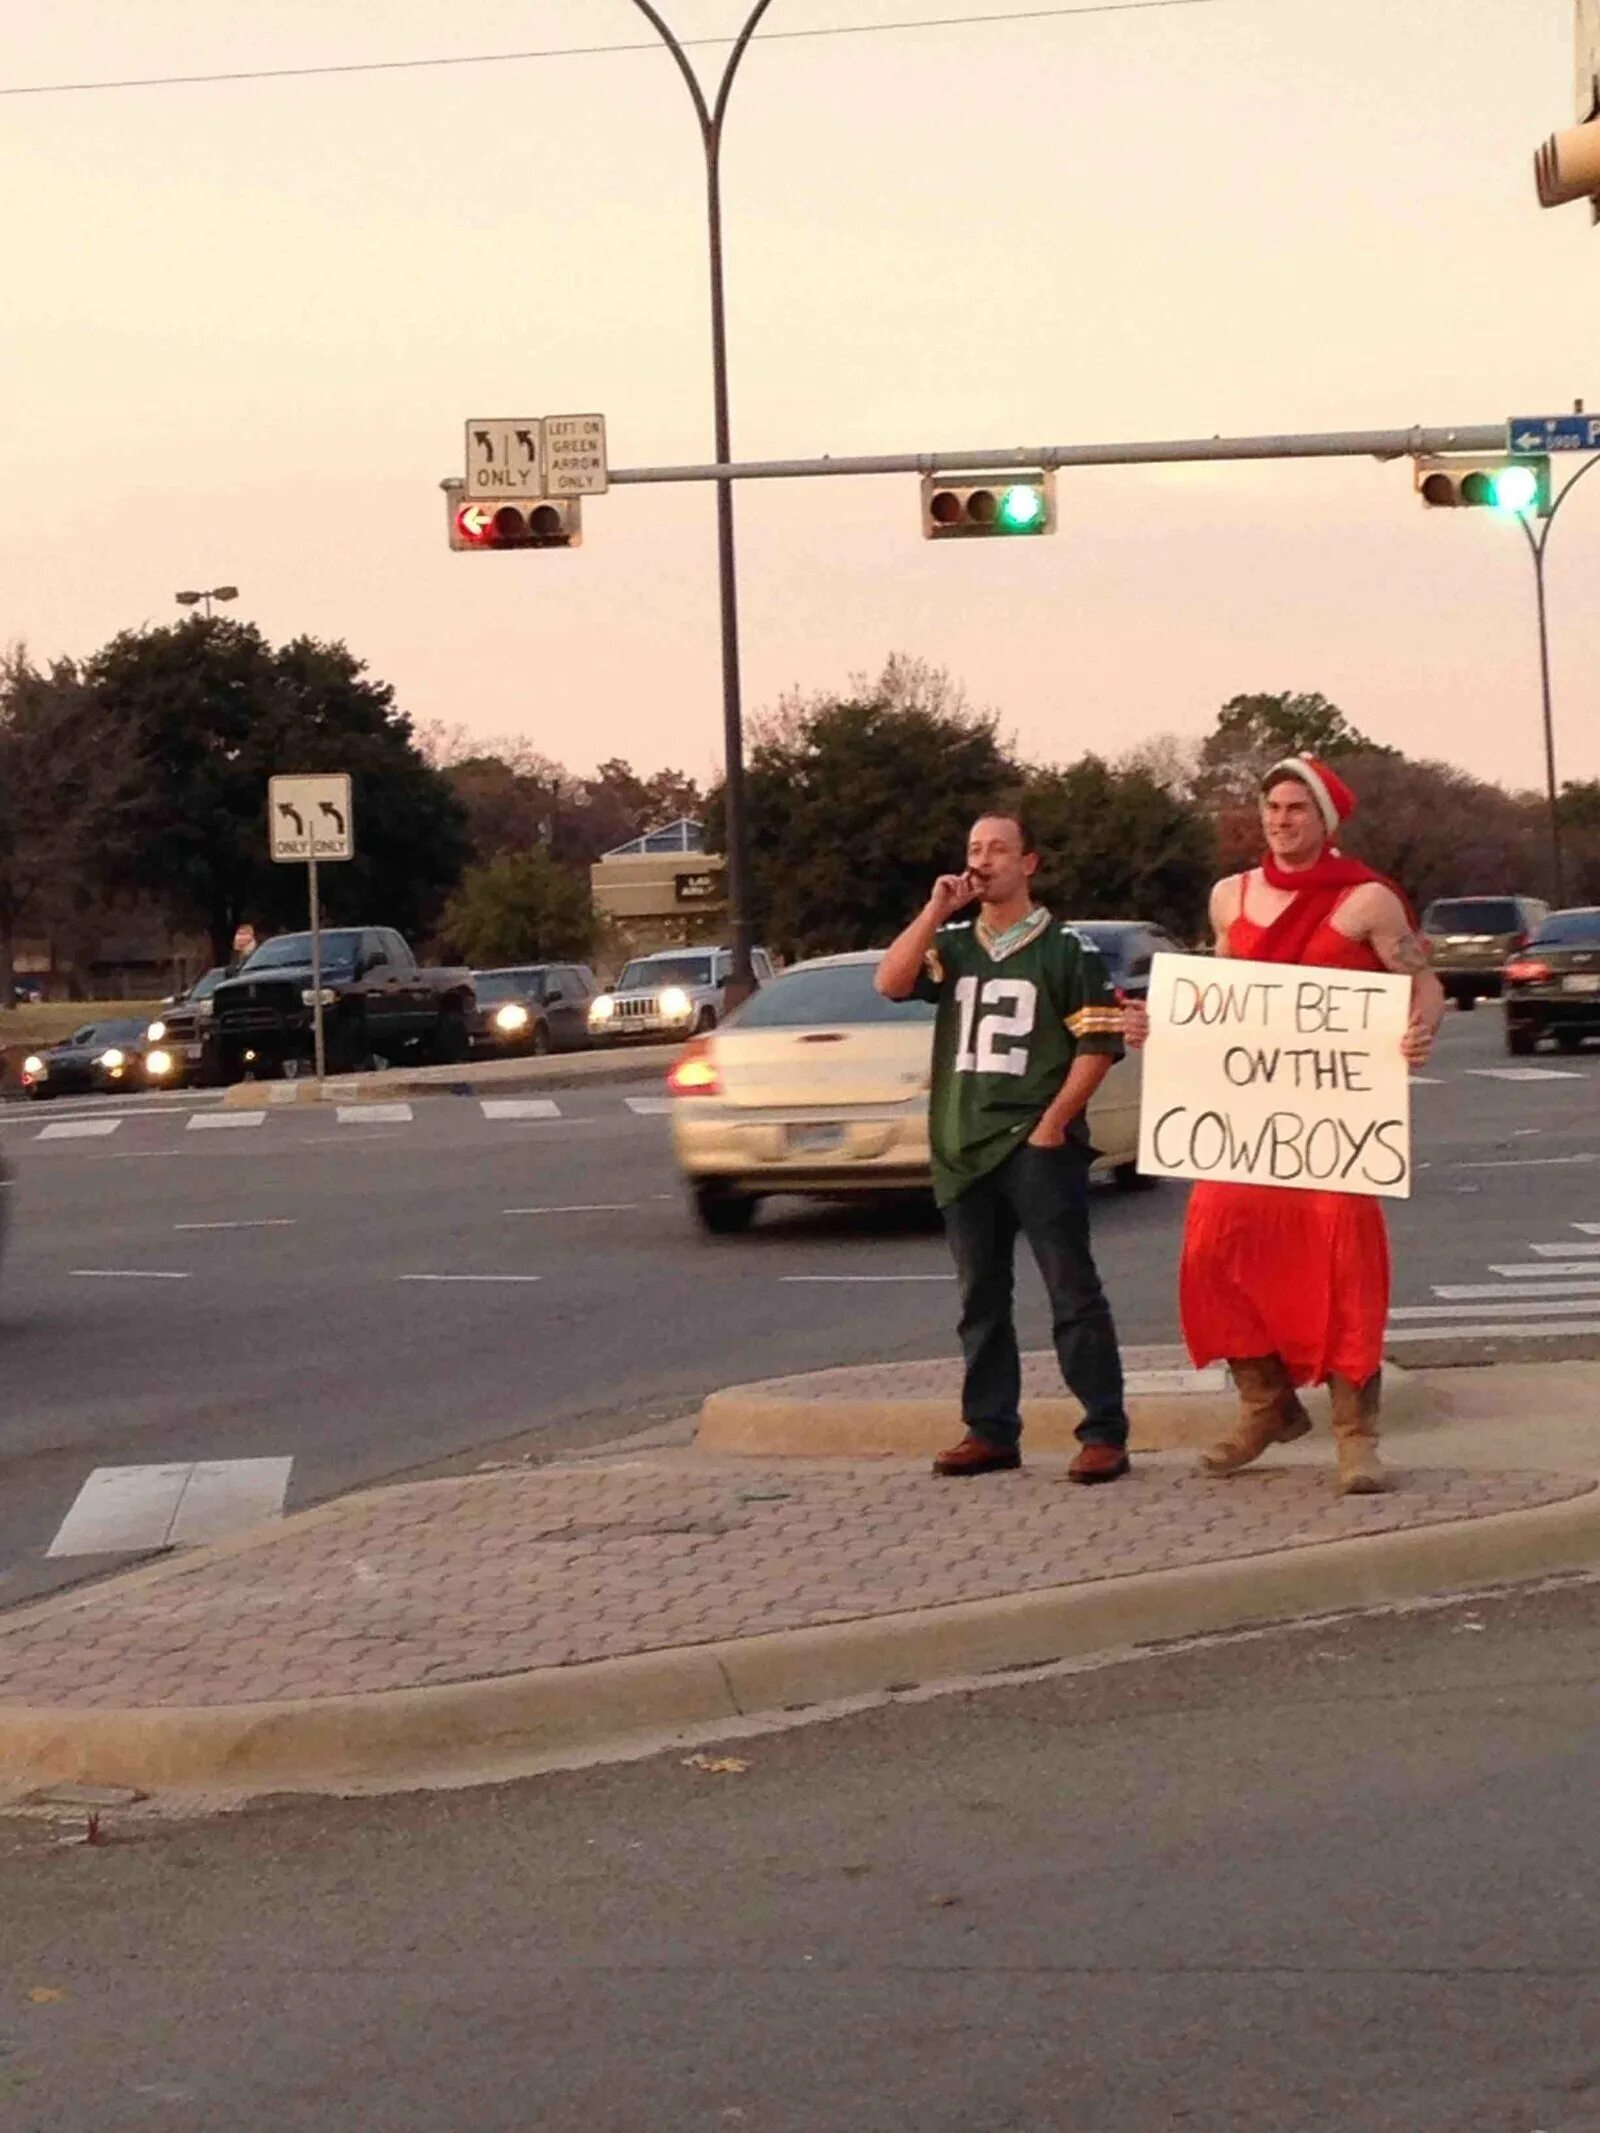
<point>662,890</point>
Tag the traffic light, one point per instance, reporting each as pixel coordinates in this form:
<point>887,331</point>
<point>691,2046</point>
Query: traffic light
<point>1517,484</point>
<point>1567,167</point>
<point>535,522</point>
<point>966,506</point>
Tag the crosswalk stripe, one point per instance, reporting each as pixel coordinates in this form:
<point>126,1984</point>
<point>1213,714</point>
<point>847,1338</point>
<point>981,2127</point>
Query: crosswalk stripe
<point>1492,1289</point>
<point>126,1509</point>
<point>519,1107</point>
<point>649,1106</point>
<point>1590,1229</point>
<point>1566,1251</point>
<point>1510,1306</point>
<point>469,1277</point>
<point>1548,1270</point>
<point>374,1114</point>
<point>225,1121</point>
<point>1525,1073</point>
<point>79,1129</point>
<point>1493,1330</point>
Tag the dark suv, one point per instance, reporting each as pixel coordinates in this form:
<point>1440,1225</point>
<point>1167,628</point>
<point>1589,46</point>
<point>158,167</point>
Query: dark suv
<point>1470,938</point>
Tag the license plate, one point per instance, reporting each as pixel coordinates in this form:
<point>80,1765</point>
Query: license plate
<point>194,1051</point>
<point>1582,981</point>
<point>815,1140</point>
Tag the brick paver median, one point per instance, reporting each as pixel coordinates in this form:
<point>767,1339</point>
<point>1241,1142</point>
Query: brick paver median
<point>450,1581</point>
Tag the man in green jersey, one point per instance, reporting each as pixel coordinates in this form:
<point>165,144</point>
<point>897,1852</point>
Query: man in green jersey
<point>1028,1028</point>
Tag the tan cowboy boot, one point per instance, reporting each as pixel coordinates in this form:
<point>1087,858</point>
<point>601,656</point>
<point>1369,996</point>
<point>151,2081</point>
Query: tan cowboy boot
<point>1269,1413</point>
<point>1355,1430</point>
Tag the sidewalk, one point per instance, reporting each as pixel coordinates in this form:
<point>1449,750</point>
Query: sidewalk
<point>428,1629</point>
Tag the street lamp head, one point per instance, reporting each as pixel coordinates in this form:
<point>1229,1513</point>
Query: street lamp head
<point>224,592</point>
<point>187,599</point>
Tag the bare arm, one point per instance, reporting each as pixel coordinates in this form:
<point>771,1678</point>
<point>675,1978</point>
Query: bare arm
<point>1386,925</point>
<point>905,955</point>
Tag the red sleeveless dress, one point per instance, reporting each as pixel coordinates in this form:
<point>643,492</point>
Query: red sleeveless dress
<point>1267,1270</point>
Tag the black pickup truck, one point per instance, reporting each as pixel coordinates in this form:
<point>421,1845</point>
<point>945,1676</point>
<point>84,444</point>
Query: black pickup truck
<point>377,1005</point>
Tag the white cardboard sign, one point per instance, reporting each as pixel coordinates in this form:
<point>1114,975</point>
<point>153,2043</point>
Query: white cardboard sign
<point>1277,1074</point>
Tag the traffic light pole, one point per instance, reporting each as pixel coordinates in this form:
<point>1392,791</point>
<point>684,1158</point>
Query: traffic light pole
<point>1537,543</point>
<point>711,117</point>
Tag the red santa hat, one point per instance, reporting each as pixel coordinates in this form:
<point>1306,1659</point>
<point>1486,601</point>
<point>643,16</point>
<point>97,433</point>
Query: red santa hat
<point>1336,803</point>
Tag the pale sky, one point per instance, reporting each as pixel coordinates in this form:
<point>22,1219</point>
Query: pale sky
<point>246,323</point>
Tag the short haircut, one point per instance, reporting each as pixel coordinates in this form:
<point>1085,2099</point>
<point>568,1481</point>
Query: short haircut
<point>1012,814</point>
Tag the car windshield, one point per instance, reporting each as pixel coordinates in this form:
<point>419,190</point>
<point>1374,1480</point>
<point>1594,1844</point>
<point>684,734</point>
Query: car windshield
<point>203,988</point>
<point>1473,914</point>
<point>292,951</point>
<point>1114,942</point>
<point>493,986</point>
<point>825,993</point>
<point>665,970</point>
<point>1569,929</point>
<point>110,1033</point>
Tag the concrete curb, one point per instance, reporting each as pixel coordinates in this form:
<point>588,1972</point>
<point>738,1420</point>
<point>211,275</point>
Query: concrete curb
<point>413,1735</point>
<point>488,1077</point>
<point>823,1416</point>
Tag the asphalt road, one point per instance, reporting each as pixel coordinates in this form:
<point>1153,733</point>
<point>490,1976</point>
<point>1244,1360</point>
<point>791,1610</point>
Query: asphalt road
<point>1335,1879</point>
<point>373,1296</point>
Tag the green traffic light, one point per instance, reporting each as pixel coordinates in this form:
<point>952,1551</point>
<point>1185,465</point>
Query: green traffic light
<point>1021,507</point>
<point>1514,488</point>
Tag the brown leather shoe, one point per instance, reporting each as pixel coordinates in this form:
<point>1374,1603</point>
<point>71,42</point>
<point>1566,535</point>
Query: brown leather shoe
<point>1099,1462</point>
<point>976,1455</point>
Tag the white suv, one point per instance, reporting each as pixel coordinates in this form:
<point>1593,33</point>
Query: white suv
<point>678,992</point>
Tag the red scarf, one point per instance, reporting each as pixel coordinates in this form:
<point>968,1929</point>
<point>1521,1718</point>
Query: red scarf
<point>1318,890</point>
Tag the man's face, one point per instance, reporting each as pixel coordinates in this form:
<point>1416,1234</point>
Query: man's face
<point>1293,827</point>
<point>997,862</point>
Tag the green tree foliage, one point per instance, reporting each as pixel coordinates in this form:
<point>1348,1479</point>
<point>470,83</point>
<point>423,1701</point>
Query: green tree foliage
<point>1439,831</point>
<point>214,710</point>
<point>855,805</point>
<point>522,907</point>
<point>1116,842</point>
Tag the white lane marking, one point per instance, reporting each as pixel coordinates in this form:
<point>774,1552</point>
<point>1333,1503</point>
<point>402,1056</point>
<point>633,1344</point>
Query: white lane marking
<point>592,1207</point>
<point>469,1277</point>
<point>1566,1251</point>
<point>1548,1269</point>
<point>1590,1229</point>
<point>265,1222</point>
<point>1492,1330</point>
<point>125,1273</point>
<point>79,1129</point>
<point>1529,1162</point>
<point>1427,1081</point>
<point>1511,1306</point>
<point>649,1106</point>
<point>374,1114</point>
<point>225,1121</point>
<point>1528,1288</point>
<point>865,1277</point>
<point>123,1509</point>
<point>1524,1073</point>
<point>519,1107</point>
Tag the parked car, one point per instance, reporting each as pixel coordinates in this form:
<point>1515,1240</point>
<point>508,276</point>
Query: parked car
<point>1553,983</point>
<point>1128,946</point>
<point>180,1032</point>
<point>532,1008</point>
<point>376,1004</point>
<point>26,992</point>
<point>95,1060</point>
<point>677,992</point>
<point>1470,937</point>
<point>819,1086</point>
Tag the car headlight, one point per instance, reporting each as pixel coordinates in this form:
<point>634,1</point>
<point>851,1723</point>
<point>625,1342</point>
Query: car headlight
<point>156,1064</point>
<point>512,1016</point>
<point>676,1004</point>
<point>156,1032</point>
<point>205,1007</point>
<point>35,1066</point>
<point>113,1058</point>
<point>602,1008</point>
<point>312,998</point>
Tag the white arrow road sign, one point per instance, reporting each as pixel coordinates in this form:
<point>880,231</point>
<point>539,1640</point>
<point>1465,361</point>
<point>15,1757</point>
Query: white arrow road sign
<point>311,818</point>
<point>505,456</point>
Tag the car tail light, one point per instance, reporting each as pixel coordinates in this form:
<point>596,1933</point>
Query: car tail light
<point>694,1073</point>
<point>1521,971</point>
<point>1522,940</point>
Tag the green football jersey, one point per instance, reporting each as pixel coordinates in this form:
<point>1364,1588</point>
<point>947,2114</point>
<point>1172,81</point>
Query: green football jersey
<point>1014,1013</point>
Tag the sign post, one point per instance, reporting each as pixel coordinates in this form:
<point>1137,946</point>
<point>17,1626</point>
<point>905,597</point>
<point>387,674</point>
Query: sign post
<point>1277,1074</point>
<point>310,819</point>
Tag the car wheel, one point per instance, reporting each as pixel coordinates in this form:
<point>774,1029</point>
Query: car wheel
<point>451,1042</point>
<point>1128,1177</point>
<point>1466,1001</point>
<point>1570,1040</point>
<point>1521,1039</point>
<point>721,1212</point>
<point>704,1022</point>
<point>539,1041</point>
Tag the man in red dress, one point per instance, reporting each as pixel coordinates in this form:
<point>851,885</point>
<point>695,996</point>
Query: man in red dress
<point>1292,1288</point>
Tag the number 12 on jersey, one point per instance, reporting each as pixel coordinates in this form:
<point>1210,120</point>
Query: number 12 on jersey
<point>1009,1006</point>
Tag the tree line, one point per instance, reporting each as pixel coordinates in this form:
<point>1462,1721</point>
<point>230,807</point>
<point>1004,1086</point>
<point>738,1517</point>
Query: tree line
<point>135,781</point>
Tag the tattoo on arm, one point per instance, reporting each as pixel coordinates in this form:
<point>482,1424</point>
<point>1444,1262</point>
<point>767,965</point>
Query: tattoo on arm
<point>1406,954</point>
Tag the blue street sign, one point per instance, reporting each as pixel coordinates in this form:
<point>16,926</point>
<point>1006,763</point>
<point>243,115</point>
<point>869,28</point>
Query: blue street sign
<point>1553,433</point>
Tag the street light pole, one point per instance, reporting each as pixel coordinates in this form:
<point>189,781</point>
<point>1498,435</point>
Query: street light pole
<point>711,116</point>
<point>217,592</point>
<point>1537,544</point>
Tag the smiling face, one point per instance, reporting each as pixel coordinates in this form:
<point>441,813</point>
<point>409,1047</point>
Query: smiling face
<point>997,862</point>
<point>1292,823</point>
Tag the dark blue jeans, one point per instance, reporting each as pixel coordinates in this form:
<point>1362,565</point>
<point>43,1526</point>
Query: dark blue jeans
<point>1044,1193</point>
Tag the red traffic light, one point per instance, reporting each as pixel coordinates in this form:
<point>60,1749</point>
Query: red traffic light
<point>538,523</point>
